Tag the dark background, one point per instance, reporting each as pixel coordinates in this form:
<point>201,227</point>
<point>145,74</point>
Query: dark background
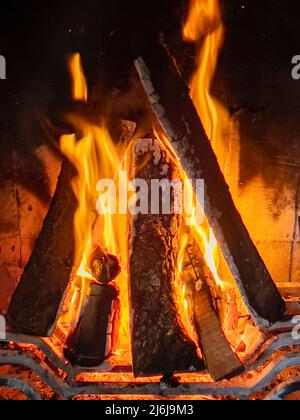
<point>254,74</point>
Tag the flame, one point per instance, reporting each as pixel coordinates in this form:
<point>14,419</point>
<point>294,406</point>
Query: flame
<point>79,86</point>
<point>181,298</point>
<point>96,157</point>
<point>205,23</point>
<point>204,236</point>
<point>202,233</point>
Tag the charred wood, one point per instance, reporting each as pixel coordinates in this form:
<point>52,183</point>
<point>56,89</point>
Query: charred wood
<point>92,340</point>
<point>160,344</point>
<point>37,300</point>
<point>181,124</point>
<point>219,358</point>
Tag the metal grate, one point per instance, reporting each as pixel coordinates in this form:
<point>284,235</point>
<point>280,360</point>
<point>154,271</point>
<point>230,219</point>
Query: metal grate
<point>38,371</point>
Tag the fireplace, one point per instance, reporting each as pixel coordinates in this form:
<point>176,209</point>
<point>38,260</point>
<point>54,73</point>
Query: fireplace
<point>149,226</point>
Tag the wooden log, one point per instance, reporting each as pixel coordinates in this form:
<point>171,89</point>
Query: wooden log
<point>160,344</point>
<point>178,118</point>
<point>37,300</point>
<point>92,340</point>
<point>219,358</point>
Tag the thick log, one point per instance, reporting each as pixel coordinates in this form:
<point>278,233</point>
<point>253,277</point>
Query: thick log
<point>37,300</point>
<point>177,116</point>
<point>160,344</point>
<point>219,358</point>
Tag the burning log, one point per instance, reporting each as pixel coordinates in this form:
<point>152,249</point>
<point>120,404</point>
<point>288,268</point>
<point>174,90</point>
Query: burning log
<point>92,340</point>
<point>220,360</point>
<point>160,344</point>
<point>36,302</point>
<point>181,124</point>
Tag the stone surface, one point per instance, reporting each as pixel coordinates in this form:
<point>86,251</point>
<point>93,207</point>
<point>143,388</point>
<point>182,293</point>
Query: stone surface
<point>22,213</point>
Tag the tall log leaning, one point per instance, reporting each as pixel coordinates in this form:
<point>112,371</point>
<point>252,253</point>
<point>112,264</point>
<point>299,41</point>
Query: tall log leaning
<point>177,116</point>
<point>159,342</point>
<point>36,302</point>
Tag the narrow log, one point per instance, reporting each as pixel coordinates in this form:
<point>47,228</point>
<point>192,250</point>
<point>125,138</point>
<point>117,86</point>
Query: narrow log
<point>220,360</point>
<point>160,344</point>
<point>37,300</point>
<point>91,341</point>
<point>177,116</point>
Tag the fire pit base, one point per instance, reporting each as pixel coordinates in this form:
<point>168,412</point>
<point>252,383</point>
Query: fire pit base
<point>34,368</point>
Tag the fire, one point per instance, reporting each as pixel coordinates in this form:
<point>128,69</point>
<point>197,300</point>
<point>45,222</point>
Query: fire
<point>79,86</point>
<point>202,232</point>
<point>181,293</point>
<point>204,237</point>
<point>205,23</point>
<point>96,157</point>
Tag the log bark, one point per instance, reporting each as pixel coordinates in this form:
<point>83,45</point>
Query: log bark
<point>37,300</point>
<point>160,344</point>
<point>220,360</point>
<point>177,116</point>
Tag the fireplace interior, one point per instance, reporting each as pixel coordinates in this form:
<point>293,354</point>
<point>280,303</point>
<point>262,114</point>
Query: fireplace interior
<point>103,303</point>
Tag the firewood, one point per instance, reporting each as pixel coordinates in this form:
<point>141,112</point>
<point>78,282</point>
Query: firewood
<point>219,358</point>
<point>178,118</point>
<point>37,300</point>
<point>160,344</point>
<point>92,340</point>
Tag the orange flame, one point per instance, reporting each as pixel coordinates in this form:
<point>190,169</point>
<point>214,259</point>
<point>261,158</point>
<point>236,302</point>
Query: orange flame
<point>202,233</point>
<point>96,157</point>
<point>79,86</point>
<point>205,22</point>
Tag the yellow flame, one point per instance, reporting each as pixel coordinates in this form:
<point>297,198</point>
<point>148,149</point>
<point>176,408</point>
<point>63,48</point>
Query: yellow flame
<point>181,298</point>
<point>79,86</point>
<point>205,23</point>
<point>202,233</point>
<point>96,157</point>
